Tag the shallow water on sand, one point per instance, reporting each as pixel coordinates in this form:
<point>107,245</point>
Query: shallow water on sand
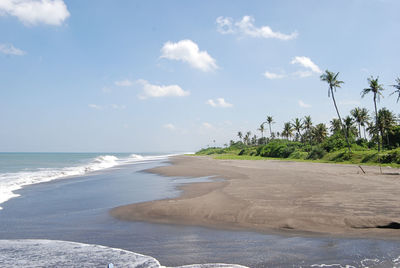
<point>76,209</point>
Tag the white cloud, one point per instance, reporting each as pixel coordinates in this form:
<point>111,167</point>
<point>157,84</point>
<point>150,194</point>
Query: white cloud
<point>270,75</point>
<point>304,105</point>
<point>219,102</point>
<point>33,12</point>
<point>307,63</point>
<point>207,125</point>
<point>188,51</point>
<point>9,49</point>
<point>123,83</point>
<point>224,25</point>
<point>118,107</point>
<point>169,126</point>
<point>246,27</point>
<point>156,91</point>
<point>95,106</point>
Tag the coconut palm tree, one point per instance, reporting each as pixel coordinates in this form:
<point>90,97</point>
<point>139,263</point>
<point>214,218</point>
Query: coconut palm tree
<point>240,135</point>
<point>376,89</point>
<point>333,82</point>
<point>298,126</point>
<point>397,87</point>
<point>270,121</point>
<point>307,123</point>
<point>287,130</point>
<point>261,129</point>
<point>364,116</point>
<point>335,125</point>
<point>356,113</point>
<point>320,132</point>
<point>348,123</point>
<point>387,120</point>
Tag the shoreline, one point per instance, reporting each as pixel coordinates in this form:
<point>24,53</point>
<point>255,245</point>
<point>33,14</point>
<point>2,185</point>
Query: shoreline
<point>277,197</point>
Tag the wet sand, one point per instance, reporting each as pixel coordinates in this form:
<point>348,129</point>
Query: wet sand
<point>283,196</point>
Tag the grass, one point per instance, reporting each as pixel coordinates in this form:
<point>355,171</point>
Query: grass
<point>368,158</point>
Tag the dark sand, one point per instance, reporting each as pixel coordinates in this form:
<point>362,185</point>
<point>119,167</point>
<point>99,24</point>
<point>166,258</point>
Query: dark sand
<point>271,195</point>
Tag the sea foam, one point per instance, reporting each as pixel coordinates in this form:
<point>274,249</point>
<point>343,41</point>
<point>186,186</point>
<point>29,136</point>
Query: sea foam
<point>54,253</point>
<point>11,182</point>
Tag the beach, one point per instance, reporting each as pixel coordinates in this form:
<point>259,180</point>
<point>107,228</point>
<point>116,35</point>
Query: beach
<point>278,196</point>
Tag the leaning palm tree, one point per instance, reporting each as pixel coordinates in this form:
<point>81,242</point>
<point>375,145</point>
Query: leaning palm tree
<point>298,126</point>
<point>333,82</point>
<point>307,122</point>
<point>240,135</point>
<point>356,113</point>
<point>270,121</point>
<point>376,89</point>
<point>397,87</point>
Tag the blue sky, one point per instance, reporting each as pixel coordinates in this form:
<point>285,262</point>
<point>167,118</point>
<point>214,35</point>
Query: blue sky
<point>140,76</point>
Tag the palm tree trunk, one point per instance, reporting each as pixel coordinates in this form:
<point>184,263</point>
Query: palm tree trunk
<point>270,131</point>
<point>340,119</point>
<point>359,130</point>
<point>377,125</point>
<point>365,135</point>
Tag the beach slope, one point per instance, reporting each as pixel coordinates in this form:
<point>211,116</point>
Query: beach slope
<point>272,195</point>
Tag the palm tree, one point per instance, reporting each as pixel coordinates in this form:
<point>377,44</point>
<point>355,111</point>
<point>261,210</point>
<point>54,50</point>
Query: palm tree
<point>261,129</point>
<point>387,120</point>
<point>270,121</point>
<point>349,126</point>
<point>333,82</point>
<point>335,126</point>
<point>298,126</point>
<point>240,135</point>
<point>320,132</point>
<point>376,89</point>
<point>287,130</point>
<point>397,87</point>
<point>364,116</point>
<point>247,138</point>
<point>307,122</point>
<point>356,113</point>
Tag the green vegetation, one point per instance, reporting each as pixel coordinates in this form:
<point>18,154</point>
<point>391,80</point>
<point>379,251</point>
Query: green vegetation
<point>357,138</point>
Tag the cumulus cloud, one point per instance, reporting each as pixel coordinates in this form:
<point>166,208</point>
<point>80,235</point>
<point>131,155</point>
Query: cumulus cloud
<point>9,49</point>
<point>219,102</point>
<point>157,91</point>
<point>189,52</point>
<point>169,126</point>
<point>123,83</point>
<point>245,26</point>
<point>33,12</point>
<point>303,104</point>
<point>307,63</point>
<point>270,75</point>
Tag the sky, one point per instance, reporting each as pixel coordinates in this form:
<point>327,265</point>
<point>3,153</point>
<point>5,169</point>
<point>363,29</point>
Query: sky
<point>167,76</point>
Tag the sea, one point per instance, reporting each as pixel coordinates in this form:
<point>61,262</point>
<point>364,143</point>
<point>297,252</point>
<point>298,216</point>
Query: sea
<point>55,213</point>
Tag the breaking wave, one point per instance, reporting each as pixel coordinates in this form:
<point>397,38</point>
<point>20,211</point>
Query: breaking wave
<point>11,182</point>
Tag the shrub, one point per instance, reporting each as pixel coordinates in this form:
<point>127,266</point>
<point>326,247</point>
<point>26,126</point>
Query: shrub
<point>297,154</point>
<point>316,153</point>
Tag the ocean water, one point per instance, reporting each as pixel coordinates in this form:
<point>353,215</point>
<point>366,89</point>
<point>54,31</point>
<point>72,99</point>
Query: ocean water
<point>56,215</point>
